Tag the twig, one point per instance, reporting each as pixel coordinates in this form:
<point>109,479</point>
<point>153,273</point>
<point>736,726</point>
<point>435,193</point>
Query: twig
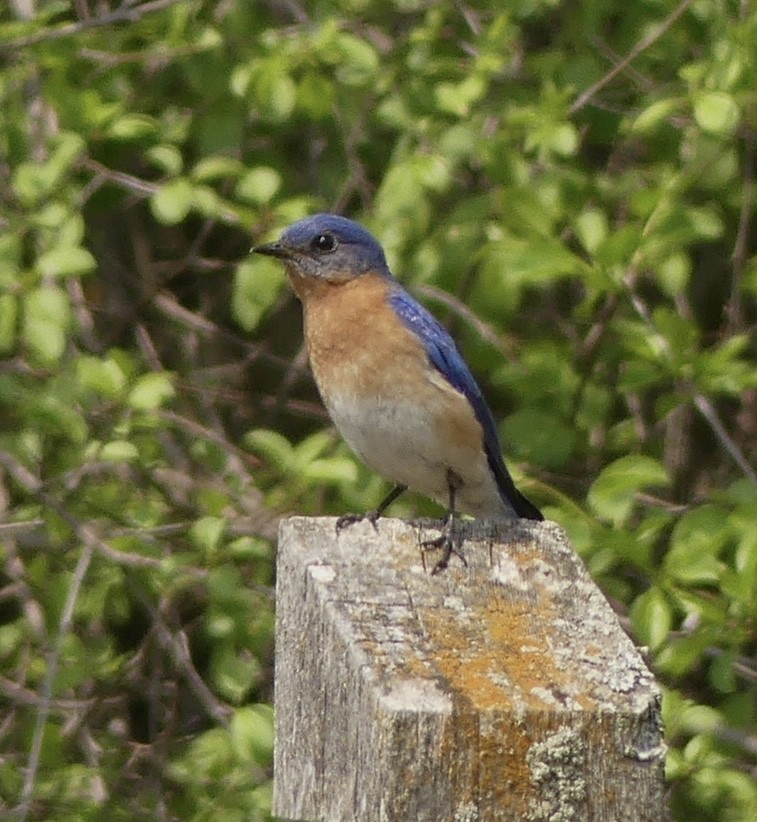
<point>126,12</point>
<point>735,736</point>
<point>83,531</point>
<point>706,409</point>
<point>19,695</point>
<point>120,178</point>
<point>241,458</point>
<point>46,694</point>
<point>743,667</point>
<point>703,405</point>
<point>91,544</point>
<point>10,529</point>
<point>168,305</point>
<point>177,646</point>
<point>590,345</point>
<point>613,57</point>
<point>642,45</point>
<point>484,330</point>
<point>733,309</point>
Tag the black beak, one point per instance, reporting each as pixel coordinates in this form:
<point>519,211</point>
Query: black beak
<point>271,250</point>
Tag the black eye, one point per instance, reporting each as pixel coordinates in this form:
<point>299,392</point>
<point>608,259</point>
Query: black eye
<point>323,242</point>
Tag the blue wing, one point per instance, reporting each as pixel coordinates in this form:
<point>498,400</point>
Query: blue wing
<point>445,357</point>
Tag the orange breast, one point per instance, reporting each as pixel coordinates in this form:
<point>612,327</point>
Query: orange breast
<point>355,341</point>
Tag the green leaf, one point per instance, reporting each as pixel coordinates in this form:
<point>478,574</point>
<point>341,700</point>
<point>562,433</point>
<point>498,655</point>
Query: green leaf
<point>682,654</point>
<point>233,674</point>
<point>638,374</point>
<point>591,228</point>
<point>66,261</point>
<point>35,181</point>
<point>11,636</point>
<point>673,273</point>
<point>613,493</point>
<point>133,127</point>
<point>695,545</point>
<point>315,96</point>
<point>717,112</point>
<point>722,675</point>
<point>119,451</point>
<point>11,252</point>
<point>312,447</point>
<point>257,285</point>
<point>8,322</point>
<point>207,533</point>
<point>259,185</point>
<point>251,730</point>
<point>46,317</point>
<point>167,157</point>
<point>542,438</point>
<point>357,61</point>
<point>457,98</point>
<point>619,247</point>
<point>250,548</point>
<point>726,369</point>
<point>51,413</point>
<point>208,203</point>
<point>280,96</point>
<point>31,183</point>
<point>652,618</point>
<point>700,719</point>
<point>656,114</point>
<point>151,391</point>
<point>171,202</point>
<point>271,445</point>
<point>531,262</point>
<point>563,139</point>
<point>216,168</point>
<point>208,756</point>
<point>103,376</point>
<point>332,471</point>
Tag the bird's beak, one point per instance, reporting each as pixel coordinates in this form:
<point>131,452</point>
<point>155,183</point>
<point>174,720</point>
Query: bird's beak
<point>272,250</point>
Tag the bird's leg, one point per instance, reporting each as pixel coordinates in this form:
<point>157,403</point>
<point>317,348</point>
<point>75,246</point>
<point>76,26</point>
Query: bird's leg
<point>371,516</point>
<point>447,541</point>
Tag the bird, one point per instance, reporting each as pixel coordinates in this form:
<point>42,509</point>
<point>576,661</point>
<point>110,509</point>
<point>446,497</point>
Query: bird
<point>393,381</point>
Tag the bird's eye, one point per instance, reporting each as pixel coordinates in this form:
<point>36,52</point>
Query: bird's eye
<point>323,242</point>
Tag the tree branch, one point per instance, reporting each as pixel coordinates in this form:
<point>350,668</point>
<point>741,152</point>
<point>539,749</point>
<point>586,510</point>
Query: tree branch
<point>126,12</point>
<point>641,46</point>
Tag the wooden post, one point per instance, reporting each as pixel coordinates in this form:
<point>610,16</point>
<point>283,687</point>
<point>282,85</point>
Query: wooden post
<point>501,691</point>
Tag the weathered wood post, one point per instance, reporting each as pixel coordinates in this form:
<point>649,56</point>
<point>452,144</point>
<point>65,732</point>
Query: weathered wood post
<point>501,691</point>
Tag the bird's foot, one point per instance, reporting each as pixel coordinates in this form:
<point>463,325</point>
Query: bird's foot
<point>350,519</point>
<point>447,542</point>
<point>371,516</point>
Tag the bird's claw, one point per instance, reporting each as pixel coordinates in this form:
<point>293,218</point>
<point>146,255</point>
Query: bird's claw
<point>448,544</point>
<point>350,519</point>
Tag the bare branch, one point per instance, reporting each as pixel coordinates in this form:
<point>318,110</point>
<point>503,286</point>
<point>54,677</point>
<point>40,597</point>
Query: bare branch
<point>177,645</point>
<point>484,330</point>
<point>126,12</point>
<point>641,46</point>
<point>703,405</point>
<point>734,308</point>
<point>707,410</point>
<point>46,692</point>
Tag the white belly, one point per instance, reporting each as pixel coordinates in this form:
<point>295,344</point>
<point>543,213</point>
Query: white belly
<point>400,441</point>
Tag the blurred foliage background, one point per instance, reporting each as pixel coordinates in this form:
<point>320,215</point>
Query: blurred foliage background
<point>569,185</point>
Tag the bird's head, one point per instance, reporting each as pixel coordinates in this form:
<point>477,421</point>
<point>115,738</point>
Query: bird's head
<point>328,248</point>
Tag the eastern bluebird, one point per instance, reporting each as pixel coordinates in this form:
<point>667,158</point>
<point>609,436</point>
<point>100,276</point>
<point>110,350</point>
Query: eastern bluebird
<point>392,379</point>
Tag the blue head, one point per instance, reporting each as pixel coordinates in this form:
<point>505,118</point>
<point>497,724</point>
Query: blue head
<point>327,247</point>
